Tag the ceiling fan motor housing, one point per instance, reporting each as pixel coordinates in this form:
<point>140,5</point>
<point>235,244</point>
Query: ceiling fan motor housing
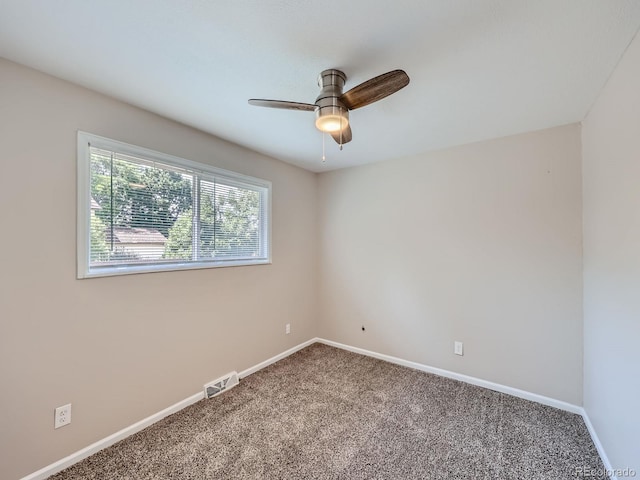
<point>331,115</point>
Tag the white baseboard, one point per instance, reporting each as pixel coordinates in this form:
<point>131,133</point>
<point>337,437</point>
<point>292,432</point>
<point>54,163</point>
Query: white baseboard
<point>596,442</point>
<point>490,385</point>
<point>55,467</point>
<point>280,356</point>
<point>111,439</point>
<point>552,402</point>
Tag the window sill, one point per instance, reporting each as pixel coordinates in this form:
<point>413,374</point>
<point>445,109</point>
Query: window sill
<point>111,271</point>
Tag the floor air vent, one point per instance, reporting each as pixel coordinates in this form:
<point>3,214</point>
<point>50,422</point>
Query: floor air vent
<point>216,387</point>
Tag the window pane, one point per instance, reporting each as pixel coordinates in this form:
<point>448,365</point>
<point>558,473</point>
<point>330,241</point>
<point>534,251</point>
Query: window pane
<point>135,208</point>
<point>180,240</point>
<point>229,221</point>
<point>207,220</point>
<point>238,222</point>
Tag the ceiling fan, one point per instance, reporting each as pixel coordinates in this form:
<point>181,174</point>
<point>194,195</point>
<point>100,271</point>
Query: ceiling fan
<point>332,106</point>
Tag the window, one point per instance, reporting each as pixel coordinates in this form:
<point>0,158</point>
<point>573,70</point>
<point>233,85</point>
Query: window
<point>144,211</point>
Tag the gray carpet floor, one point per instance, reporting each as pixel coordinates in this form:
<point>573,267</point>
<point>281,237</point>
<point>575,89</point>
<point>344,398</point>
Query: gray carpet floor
<point>324,413</point>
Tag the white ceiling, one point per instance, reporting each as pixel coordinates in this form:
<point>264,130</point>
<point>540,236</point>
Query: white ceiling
<point>479,69</point>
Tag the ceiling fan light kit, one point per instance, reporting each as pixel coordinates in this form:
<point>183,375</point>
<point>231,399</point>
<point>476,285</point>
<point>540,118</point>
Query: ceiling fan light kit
<point>332,119</point>
<point>332,106</point>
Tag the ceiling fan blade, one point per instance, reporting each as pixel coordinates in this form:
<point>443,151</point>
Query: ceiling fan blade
<point>346,136</point>
<point>258,102</point>
<point>375,89</point>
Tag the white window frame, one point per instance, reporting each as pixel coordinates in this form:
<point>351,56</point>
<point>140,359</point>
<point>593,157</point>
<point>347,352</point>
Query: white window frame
<point>84,270</point>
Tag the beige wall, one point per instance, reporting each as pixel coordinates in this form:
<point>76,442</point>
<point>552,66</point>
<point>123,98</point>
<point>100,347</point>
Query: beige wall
<point>122,348</point>
<point>611,189</point>
<point>480,243</point>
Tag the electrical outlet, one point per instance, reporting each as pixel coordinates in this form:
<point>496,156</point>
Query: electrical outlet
<point>62,416</point>
<point>287,328</point>
<point>457,348</point>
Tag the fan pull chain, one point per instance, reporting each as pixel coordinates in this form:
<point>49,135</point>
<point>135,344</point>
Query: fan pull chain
<point>323,156</point>
<point>341,130</point>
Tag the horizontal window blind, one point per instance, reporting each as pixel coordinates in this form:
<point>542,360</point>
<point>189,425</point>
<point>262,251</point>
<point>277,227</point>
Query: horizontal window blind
<point>148,213</point>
